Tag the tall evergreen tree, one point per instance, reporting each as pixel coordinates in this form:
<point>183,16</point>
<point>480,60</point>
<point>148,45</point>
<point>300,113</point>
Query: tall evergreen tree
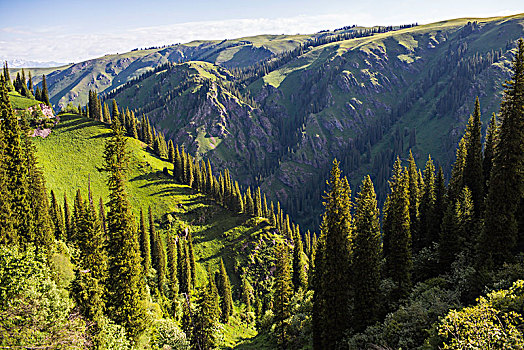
<point>333,286</point>
<point>192,263</point>
<point>45,92</point>
<point>67,219</point>
<point>172,265</point>
<point>489,149</point>
<point>299,277</point>
<point>224,290</point>
<point>473,175</point>
<point>367,256</point>
<point>205,320</point>
<point>57,218</point>
<point>159,263</point>
<point>126,293</point>
<point>397,235</point>
<point>429,231</point>
<point>504,203</point>
<point>282,292</point>
<point>414,202</point>
<point>145,244</point>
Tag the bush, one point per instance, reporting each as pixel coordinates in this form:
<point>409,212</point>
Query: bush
<point>167,335</point>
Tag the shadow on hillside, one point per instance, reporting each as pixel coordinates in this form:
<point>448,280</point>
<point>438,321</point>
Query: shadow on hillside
<point>74,124</point>
<point>154,179</point>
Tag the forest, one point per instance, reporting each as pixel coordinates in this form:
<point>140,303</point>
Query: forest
<point>438,265</point>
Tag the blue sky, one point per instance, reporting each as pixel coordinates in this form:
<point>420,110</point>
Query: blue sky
<point>75,30</point>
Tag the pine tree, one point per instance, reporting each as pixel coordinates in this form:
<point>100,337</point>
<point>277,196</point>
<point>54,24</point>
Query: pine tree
<point>171,152</point>
<point>367,256</point>
<point>67,220</point>
<point>282,292</point>
<point>57,218</point>
<point>414,201</point>
<point>102,215</point>
<point>299,277</point>
<point>246,294</point>
<point>192,263</point>
<point>504,203</point>
<point>332,280</point>
<point>396,228</point>
<point>184,268</point>
<point>9,84</point>
<point>205,320</point>
<point>125,287</point>
<point>45,92</point>
<point>145,244</point>
<point>172,265</point>
<point>473,174</point>
<point>115,114</point>
<point>489,149</point>
<point>429,231</point>
<point>224,291</point>
<point>159,262</point>
<point>30,83</point>
<point>106,114</point>
<point>16,172</point>
<point>90,279</point>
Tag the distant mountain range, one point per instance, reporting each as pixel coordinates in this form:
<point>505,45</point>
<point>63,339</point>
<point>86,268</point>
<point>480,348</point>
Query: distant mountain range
<point>21,63</point>
<point>276,109</point>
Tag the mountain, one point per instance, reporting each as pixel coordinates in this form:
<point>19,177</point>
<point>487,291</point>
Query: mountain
<point>21,63</point>
<point>71,83</point>
<point>363,100</point>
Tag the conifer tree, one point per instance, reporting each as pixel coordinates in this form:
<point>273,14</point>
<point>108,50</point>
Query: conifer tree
<point>125,287</point>
<point>38,94</point>
<point>67,219</point>
<point>396,228</point>
<point>367,256</point>
<point>282,292</point>
<point>473,174</point>
<point>205,320</point>
<point>171,152</point>
<point>224,291</point>
<point>258,203</point>
<point>489,149</point>
<point>145,244</point>
<point>332,279</point>
<point>414,202</point>
<point>106,114</point>
<point>8,81</point>
<point>159,262</point>
<point>16,172</point>
<point>246,293</point>
<point>249,203</point>
<point>184,269</point>
<point>429,230</point>
<point>45,92</point>
<point>172,264</point>
<point>192,263</point>
<point>299,277</point>
<point>30,83</point>
<point>504,203</point>
<point>57,218</point>
<point>102,215</point>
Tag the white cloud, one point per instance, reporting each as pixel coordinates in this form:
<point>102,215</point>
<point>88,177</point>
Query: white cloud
<point>51,44</point>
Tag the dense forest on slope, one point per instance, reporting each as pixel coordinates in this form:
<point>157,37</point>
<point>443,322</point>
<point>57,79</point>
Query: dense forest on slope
<point>363,98</point>
<point>140,243</point>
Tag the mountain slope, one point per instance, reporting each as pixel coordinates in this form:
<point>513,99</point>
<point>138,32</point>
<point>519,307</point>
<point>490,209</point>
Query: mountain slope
<point>71,156</point>
<point>363,100</point>
<point>71,83</point>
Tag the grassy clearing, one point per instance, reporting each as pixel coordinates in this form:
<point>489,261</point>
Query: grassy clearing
<point>20,102</point>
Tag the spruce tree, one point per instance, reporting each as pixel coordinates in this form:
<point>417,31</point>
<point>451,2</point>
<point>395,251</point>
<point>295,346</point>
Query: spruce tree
<point>397,235</point>
<point>224,291</point>
<point>333,280</point>
<point>126,293</point>
<point>282,292</point>
<point>115,114</point>
<point>367,256</point>
<point>67,219</point>
<point>172,265</point>
<point>414,202</point>
<point>473,174</point>
<point>299,277</point>
<point>15,167</point>
<point>489,149</point>
<point>192,263</point>
<point>171,152</point>
<point>45,92</point>
<point>57,218</point>
<point>429,230</point>
<point>159,262</point>
<point>504,203</point>
<point>145,244</point>
<point>205,320</point>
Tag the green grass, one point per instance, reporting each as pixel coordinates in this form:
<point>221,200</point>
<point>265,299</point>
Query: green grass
<point>21,102</point>
<point>71,156</point>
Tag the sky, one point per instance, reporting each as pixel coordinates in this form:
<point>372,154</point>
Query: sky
<point>75,30</point>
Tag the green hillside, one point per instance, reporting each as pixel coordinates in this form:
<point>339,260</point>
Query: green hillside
<point>72,154</point>
<point>363,100</point>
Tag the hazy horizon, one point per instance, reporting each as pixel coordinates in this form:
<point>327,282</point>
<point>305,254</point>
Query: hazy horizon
<point>66,32</point>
